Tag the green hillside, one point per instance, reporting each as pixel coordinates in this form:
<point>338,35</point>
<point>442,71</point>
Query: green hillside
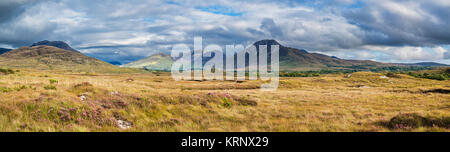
<point>161,62</point>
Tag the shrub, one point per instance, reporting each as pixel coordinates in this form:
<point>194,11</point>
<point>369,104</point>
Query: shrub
<point>50,87</point>
<point>6,71</point>
<point>20,88</point>
<point>5,89</point>
<point>52,81</point>
<point>433,76</point>
<point>392,75</point>
<point>226,102</point>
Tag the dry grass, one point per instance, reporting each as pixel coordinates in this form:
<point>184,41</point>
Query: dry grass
<point>96,102</point>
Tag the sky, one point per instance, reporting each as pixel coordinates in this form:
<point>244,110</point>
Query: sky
<point>124,31</point>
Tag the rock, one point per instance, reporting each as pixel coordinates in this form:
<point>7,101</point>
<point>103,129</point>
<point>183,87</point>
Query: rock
<point>115,93</point>
<point>82,97</point>
<point>124,124</point>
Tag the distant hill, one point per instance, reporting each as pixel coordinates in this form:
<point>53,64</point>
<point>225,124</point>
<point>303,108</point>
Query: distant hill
<point>158,61</point>
<point>58,44</point>
<point>49,57</point>
<point>3,50</point>
<point>430,64</point>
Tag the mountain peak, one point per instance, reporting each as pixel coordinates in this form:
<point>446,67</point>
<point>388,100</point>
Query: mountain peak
<point>58,44</point>
<point>266,42</point>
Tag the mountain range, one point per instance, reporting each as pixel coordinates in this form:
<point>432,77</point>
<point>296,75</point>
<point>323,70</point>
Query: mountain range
<point>57,54</point>
<point>291,59</point>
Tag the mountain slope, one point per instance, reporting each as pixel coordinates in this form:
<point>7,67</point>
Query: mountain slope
<point>49,57</point>
<point>58,44</point>
<point>155,62</point>
<point>292,59</point>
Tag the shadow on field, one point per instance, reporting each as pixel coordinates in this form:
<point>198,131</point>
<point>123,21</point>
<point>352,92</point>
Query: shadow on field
<point>443,91</point>
<point>413,120</point>
<point>439,90</point>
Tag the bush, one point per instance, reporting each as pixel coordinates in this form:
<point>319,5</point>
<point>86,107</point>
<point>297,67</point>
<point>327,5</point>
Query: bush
<point>392,75</point>
<point>50,87</point>
<point>5,89</point>
<point>52,81</point>
<point>433,76</point>
<point>20,88</point>
<point>226,102</point>
<point>6,71</point>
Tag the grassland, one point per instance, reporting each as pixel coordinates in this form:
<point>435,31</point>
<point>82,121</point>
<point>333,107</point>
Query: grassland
<point>46,100</point>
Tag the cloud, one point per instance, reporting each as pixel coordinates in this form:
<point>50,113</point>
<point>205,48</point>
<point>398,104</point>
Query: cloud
<point>11,8</point>
<point>25,26</point>
<point>269,25</point>
<point>138,28</point>
<point>397,23</point>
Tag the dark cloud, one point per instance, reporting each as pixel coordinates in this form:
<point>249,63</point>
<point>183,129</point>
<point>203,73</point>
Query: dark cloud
<point>20,23</point>
<point>10,9</point>
<point>269,25</point>
<point>398,23</point>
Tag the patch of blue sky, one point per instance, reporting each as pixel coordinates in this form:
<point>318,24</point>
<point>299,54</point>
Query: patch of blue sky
<point>447,47</point>
<point>173,3</point>
<point>218,9</point>
<point>149,19</point>
<point>319,4</point>
<point>357,4</point>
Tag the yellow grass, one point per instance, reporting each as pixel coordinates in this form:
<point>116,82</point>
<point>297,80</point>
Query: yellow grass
<point>360,102</point>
